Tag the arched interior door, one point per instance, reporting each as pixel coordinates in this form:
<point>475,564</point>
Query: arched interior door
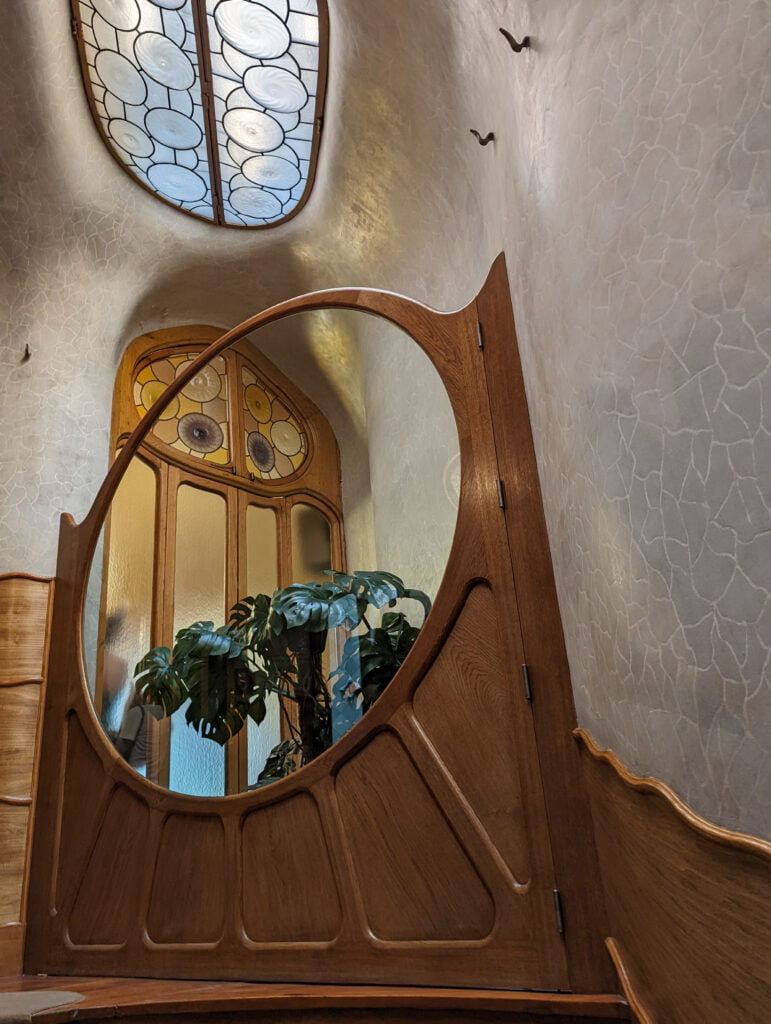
<point>425,846</point>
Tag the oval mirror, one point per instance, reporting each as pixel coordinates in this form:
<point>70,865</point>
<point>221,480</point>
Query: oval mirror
<point>273,550</point>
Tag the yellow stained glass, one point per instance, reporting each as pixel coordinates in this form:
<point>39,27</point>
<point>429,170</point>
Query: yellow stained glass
<point>196,421</point>
<point>276,444</point>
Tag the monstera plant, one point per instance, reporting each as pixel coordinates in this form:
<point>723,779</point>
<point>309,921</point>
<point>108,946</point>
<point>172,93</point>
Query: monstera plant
<point>275,646</point>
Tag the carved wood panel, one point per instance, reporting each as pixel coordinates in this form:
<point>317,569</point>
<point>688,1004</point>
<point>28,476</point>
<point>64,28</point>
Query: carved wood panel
<point>415,851</point>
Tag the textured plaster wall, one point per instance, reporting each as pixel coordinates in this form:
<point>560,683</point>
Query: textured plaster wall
<point>636,174</point>
<point>626,184</point>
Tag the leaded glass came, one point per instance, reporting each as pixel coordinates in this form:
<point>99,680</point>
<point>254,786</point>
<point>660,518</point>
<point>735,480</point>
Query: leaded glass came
<point>214,105</point>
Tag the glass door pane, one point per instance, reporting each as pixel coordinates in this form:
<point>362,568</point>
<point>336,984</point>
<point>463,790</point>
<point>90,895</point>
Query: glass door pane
<point>128,593</point>
<point>197,765</point>
<point>262,578</point>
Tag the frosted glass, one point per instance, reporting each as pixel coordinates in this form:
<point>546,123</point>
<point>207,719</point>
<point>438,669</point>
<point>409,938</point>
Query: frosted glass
<point>311,555</point>
<point>262,578</point>
<point>262,739</point>
<point>311,544</point>
<point>261,550</point>
<point>128,605</point>
<point>196,765</point>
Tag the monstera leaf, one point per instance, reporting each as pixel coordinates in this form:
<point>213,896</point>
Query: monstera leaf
<point>370,661</point>
<point>379,588</point>
<point>160,682</point>
<point>316,606</point>
<point>273,645</point>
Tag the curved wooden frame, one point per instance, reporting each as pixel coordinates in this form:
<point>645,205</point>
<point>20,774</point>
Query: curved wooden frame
<point>482,905</point>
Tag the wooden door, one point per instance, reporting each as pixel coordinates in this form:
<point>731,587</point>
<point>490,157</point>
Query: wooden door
<point>416,850</point>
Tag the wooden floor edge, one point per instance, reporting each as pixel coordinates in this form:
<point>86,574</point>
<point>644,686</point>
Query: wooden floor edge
<point>650,784</point>
<point>135,997</point>
<point>636,1004</point>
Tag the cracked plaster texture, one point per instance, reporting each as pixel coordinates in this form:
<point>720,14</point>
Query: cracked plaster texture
<point>628,186</point>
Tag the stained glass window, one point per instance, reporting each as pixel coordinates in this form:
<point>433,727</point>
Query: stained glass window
<point>196,421</point>
<point>212,104</point>
<point>276,445</point>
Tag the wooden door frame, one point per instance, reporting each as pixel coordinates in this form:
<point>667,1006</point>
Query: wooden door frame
<point>487,393</point>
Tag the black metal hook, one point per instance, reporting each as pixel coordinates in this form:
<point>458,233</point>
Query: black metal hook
<point>516,47</point>
<point>27,354</point>
<point>490,137</point>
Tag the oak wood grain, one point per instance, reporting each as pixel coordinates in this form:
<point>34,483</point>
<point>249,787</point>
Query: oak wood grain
<point>19,708</point>
<point>427,895</point>
<point>139,998</point>
<point>543,647</point>
<point>24,607</point>
<point>689,903</point>
<point>14,821</point>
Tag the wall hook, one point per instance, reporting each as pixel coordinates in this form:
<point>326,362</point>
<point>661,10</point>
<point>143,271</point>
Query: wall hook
<point>27,354</point>
<point>516,47</point>
<point>490,137</point>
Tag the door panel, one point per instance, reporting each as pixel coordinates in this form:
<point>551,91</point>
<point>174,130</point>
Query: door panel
<point>414,851</point>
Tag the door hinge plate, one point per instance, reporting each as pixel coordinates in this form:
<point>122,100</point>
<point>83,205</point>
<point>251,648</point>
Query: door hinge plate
<point>501,494</point>
<point>527,683</point>
<point>558,911</point>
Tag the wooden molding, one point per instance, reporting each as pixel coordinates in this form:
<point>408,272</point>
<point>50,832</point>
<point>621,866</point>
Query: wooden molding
<point>17,575</point>
<point>139,997</point>
<point>688,902</point>
<point>650,784</point>
<point>11,949</point>
<point>627,985</point>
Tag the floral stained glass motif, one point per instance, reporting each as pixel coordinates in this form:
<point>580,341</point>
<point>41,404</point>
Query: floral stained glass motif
<point>276,445</point>
<point>212,104</point>
<point>196,421</point>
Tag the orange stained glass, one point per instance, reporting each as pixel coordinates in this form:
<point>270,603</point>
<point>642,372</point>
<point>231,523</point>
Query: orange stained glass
<point>196,421</point>
<point>275,442</point>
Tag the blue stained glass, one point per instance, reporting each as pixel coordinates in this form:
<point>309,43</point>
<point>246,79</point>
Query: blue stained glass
<point>143,73</point>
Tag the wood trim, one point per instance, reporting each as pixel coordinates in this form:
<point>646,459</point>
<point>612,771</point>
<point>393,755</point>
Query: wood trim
<point>650,784</point>
<point>552,706</point>
<point>627,985</point>
<point>688,902</point>
<point>137,997</point>
<point>11,949</point>
<point>25,576</point>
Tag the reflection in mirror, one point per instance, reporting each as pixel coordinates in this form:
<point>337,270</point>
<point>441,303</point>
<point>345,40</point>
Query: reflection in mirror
<point>199,595</point>
<point>262,578</point>
<point>222,652</point>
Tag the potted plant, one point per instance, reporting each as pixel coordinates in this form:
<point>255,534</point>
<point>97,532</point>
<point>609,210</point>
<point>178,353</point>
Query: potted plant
<point>275,646</point>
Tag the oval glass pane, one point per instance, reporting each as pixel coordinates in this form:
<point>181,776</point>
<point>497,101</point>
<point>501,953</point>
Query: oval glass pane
<point>174,126</point>
<point>251,609</point>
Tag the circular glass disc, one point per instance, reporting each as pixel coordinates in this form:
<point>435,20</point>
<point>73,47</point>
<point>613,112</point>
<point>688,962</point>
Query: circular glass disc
<point>163,61</point>
<point>129,137</point>
<point>252,28</point>
<point>120,77</point>
<point>276,88</point>
<point>173,129</point>
<point>253,130</point>
<point>177,182</point>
